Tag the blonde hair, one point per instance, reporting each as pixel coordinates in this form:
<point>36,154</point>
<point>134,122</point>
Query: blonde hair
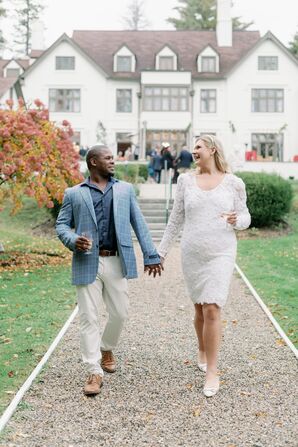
<point>219,157</point>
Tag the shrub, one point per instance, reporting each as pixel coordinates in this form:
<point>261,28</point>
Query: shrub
<point>269,197</point>
<point>132,173</point>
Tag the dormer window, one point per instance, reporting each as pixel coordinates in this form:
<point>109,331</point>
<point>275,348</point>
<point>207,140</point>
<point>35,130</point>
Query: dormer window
<point>124,60</point>
<point>166,62</point>
<point>209,64</point>
<point>208,61</point>
<point>124,63</point>
<point>12,72</point>
<point>166,59</point>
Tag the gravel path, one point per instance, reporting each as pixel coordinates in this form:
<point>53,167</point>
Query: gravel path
<point>155,398</point>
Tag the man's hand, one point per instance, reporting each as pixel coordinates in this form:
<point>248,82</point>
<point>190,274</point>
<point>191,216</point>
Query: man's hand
<point>153,268</point>
<point>82,243</point>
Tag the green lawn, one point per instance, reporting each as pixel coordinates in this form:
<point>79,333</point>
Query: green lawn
<point>34,302</point>
<point>271,265</point>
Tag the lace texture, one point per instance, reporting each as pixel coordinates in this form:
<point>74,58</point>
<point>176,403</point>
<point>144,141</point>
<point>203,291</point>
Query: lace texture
<point>208,243</point>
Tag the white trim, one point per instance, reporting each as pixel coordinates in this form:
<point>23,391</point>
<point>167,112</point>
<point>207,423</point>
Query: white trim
<point>26,385</point>
<point>267,312</point>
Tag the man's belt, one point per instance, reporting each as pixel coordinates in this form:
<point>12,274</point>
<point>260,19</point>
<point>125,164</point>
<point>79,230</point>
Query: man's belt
<point>103,252</point>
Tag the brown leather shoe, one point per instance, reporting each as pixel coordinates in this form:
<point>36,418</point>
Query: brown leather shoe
<point>108,361</point>
<point>93,384</point>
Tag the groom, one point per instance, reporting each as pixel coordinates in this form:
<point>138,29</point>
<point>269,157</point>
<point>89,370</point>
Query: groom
<point>103,209</point>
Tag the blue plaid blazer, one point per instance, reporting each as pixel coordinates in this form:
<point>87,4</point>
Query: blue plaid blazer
<point>77,212</point>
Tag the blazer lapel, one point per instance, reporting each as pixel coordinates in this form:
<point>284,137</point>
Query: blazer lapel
<point>88,200</point>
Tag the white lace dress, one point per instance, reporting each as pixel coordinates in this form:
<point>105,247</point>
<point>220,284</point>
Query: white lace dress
<point>208,244</point>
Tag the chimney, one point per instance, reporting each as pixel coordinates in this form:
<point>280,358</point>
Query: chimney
<point>224,26</point>
<point>37,35</point>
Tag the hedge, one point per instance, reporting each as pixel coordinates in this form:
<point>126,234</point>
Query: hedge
<point>269,198</point>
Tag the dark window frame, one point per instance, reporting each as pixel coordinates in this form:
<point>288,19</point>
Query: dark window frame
<point>60,63</point>
<point>207,100</point>
<point>159,98</point>
<point>120,99</point>
<point>65,95</point>
<point>261,100</point>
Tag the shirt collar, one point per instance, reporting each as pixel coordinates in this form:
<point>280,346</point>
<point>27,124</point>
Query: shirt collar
<point>87,182</point>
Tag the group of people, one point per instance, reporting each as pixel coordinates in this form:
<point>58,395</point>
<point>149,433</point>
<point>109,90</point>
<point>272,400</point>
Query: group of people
<point>163,159</point>
<point>129,154</point>
<point>95,224</point>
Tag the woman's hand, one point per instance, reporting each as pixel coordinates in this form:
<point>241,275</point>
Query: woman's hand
<point>231,218</point>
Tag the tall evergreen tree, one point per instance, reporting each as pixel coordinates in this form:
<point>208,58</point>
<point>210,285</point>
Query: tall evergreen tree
<point>135,18</point>
<point>200,15</point>
<point>26,12</point>
<point>294,45</point>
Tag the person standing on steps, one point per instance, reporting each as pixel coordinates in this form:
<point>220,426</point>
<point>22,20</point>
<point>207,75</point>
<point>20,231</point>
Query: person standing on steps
<point>101,210</point>
<point>210,203</point>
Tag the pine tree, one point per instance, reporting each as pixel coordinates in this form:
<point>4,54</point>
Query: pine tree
<point>294,45</point>
<point>26,12</point>
<point>200,15</point>
<point>135,18</point>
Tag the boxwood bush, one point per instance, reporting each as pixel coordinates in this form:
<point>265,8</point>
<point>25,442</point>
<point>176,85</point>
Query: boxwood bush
<point>269,197</point>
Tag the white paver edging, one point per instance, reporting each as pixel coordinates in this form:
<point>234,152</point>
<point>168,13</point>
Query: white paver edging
<point>26,385</point>
<point>267,312</point>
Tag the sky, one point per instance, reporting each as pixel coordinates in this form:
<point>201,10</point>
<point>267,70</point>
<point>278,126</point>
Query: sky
<point>59,16</point>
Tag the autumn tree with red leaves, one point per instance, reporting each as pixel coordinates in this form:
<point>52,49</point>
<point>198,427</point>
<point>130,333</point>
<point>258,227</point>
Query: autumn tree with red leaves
<point>37,157</point>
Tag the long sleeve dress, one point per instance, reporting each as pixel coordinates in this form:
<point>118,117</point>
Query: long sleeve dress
<point>208,243</point>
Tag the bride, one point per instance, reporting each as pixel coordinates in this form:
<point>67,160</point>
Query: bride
<point>211,203</point>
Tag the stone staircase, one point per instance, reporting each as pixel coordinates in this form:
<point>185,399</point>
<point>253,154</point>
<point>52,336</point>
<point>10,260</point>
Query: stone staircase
<point>154,211</point>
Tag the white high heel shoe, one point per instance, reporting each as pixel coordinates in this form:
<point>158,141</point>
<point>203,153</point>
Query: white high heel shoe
<point>202,367</point>
<point>210,391</point>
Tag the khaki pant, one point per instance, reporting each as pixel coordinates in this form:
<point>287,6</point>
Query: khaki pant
<point>111,287</point>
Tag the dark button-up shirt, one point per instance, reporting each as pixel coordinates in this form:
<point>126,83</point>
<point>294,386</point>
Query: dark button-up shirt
<point>103,207</point>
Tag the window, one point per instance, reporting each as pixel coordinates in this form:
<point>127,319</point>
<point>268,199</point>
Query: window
<point>208,101</point>
<point>208,64</point>
<point>268,63</point>
<point>124,63</point>
<point>12,72</point>
<point>269,146</point>
<point>165,99</point>
<point>65,100</point>
<point>267,100</point>
<point>65,63</point>
<point>166,63</point>
<point>123,100</point>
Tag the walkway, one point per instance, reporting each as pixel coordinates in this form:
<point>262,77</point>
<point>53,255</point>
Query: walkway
<point>155,398</point>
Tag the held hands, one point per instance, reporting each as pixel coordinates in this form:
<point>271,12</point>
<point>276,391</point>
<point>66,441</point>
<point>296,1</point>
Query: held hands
<point>155,269</point>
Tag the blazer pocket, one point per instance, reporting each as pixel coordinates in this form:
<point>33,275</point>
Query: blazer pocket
<point>126,242</point>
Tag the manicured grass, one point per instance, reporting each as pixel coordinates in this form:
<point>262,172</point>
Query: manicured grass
<point>34,307</point>
<point>35,300</point>
<point>271,265</point>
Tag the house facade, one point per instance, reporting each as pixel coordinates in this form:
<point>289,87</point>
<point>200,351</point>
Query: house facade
<point>140,88</point>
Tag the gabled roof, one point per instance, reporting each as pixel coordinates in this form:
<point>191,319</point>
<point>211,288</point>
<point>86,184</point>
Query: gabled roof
<point>6,84</point>
<point>273,38</point>
<point>23,63</point>
<point>63,38</point>
<point>101,45</point>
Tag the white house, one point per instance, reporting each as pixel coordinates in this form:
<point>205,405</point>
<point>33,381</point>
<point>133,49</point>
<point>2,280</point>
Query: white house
<point>10,71</point>
<point>145,87</point>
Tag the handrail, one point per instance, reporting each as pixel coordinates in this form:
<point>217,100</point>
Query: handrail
<point>168,191</point>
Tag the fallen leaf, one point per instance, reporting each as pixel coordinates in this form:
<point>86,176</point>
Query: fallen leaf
<point>196,411</point>
<point>280,342</point>
<point>189,386</point>
<point>10,374</point>
<point>28,329</point>
<point>261,414</point>
<point>187,362</point>
<point>235,321</point>
<point>245,393</point>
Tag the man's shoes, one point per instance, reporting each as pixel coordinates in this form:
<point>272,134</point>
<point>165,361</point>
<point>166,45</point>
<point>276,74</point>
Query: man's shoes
<point>108,361</point>
<point>93,385</point>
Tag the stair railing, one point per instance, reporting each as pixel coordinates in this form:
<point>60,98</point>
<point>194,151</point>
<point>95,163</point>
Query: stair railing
<point>168,189</point>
